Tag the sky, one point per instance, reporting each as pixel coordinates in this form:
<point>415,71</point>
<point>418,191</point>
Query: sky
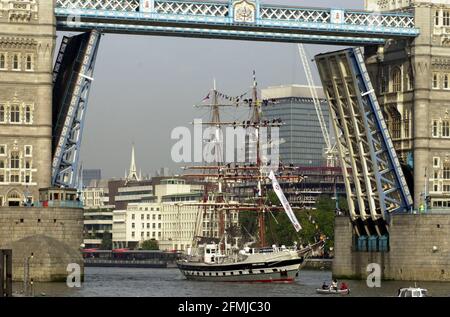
<point>145,86</point>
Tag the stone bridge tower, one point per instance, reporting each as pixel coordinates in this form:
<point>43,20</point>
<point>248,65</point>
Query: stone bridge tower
<point>412,80</point>
<point>27,40</point>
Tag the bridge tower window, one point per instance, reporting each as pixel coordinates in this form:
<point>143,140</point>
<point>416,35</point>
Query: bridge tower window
<point>2,113</point>
<point>435,81</point>
<point>409,81</point>
<point>446,81</point>
<point>15,160</point>
<point>446,128</point>
<point>446,171</point>
<point>29,63</point>
<point>436,161</point>
<point>2,61</point>
<point>435,130</point>
<point>27,114</point>
<point>16,62</point>
<point>28,150</point>
<point>446,18</point>
<point>396,80</point>
<point>15,114</point>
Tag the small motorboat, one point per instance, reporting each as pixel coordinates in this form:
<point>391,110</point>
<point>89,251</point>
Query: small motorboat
<point>328,291</point>
<point>412,292</point>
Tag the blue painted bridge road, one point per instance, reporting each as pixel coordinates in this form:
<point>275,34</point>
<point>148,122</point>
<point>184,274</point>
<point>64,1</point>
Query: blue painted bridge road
<point>237,19</point>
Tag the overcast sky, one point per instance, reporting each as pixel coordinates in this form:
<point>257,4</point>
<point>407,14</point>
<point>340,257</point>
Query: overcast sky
<point>146,85</point>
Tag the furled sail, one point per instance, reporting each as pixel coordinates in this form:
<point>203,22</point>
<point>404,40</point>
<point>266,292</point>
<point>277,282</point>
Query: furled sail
<point>284,202</point>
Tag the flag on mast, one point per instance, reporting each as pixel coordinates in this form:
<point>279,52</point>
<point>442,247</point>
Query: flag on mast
<point>207,97</point>
<point>284,202</point>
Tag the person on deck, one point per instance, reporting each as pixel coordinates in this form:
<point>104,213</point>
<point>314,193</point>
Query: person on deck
<point>334,285</point>
<point>343,286</point>
<point>324,285</point>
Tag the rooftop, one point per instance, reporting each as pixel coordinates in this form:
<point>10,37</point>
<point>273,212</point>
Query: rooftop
<point>288,91</point>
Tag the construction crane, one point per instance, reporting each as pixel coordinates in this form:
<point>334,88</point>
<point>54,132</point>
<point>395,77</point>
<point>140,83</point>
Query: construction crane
<point>331,149</point>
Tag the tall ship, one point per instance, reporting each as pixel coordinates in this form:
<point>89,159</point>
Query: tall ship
<point>217,258</point>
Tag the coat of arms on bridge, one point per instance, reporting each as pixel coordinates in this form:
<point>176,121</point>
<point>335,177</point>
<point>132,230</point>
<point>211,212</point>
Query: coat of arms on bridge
<point>244,11</point>
<point>19,11</point>
<point>147,5</point>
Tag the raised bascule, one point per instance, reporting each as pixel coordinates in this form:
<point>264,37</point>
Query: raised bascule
<point>387,96</point>
<point>367,154</point>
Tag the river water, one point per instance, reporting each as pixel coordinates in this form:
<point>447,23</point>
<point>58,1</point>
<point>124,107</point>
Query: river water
<point>124,282</point>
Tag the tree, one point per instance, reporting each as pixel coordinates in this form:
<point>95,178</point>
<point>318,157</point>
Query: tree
<point>106,241</point>
<point>279,229</point>
<point>249,224</point>
<point>150,245</point>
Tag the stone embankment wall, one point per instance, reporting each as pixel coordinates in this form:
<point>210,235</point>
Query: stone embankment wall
<point>52,235</point>
<point>419,250</point>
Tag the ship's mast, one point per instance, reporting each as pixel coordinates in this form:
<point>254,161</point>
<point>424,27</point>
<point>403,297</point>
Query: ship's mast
<point>256,121</point>
<point>218,161</point>
<point>215,120</point>
<point>252,172</point>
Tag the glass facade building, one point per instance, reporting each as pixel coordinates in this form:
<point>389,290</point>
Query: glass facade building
<point>301,137</point>
<point>90,175</point>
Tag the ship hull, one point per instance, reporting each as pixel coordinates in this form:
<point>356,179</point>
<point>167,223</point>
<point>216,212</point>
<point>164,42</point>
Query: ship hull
<point>272,271</point>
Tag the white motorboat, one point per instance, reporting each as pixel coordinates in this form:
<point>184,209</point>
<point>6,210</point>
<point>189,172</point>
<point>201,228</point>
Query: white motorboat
<point>412,292</point>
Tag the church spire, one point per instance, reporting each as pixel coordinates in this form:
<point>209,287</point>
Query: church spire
<point>132,174</point>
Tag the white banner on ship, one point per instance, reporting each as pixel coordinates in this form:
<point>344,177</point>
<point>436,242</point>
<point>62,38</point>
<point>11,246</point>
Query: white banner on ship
<point>284,202</point>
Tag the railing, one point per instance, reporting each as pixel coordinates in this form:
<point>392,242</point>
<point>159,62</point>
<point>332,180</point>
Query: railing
<point>376,19</point>
<point>192,8</point>
<point>125,263</point>
<point>433,211</point>
<point>59,204</point>
<point>105,261</point>
<point>112,5</point>
<point>295,14</point>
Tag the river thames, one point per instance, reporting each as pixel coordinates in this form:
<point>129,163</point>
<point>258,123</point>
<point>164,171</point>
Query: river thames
<point>132,282</point>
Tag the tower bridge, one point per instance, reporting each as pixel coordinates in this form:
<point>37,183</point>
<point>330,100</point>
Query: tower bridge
<point>240,20</point>
<point>389,101</point>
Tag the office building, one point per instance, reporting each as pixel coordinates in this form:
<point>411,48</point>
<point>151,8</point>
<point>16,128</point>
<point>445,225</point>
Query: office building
<point>301,138</point>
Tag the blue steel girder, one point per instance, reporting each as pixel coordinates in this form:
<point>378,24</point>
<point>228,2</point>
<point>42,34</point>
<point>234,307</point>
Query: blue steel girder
<point>75,100</point>
<point>380,186</point>
<point>217,20</point>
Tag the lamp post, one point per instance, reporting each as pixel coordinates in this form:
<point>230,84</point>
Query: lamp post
<point>26,273</point>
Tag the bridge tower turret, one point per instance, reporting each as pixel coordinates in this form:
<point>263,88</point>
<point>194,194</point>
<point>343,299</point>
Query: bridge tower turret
<point>412,81</point>
<point>27,40</point>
